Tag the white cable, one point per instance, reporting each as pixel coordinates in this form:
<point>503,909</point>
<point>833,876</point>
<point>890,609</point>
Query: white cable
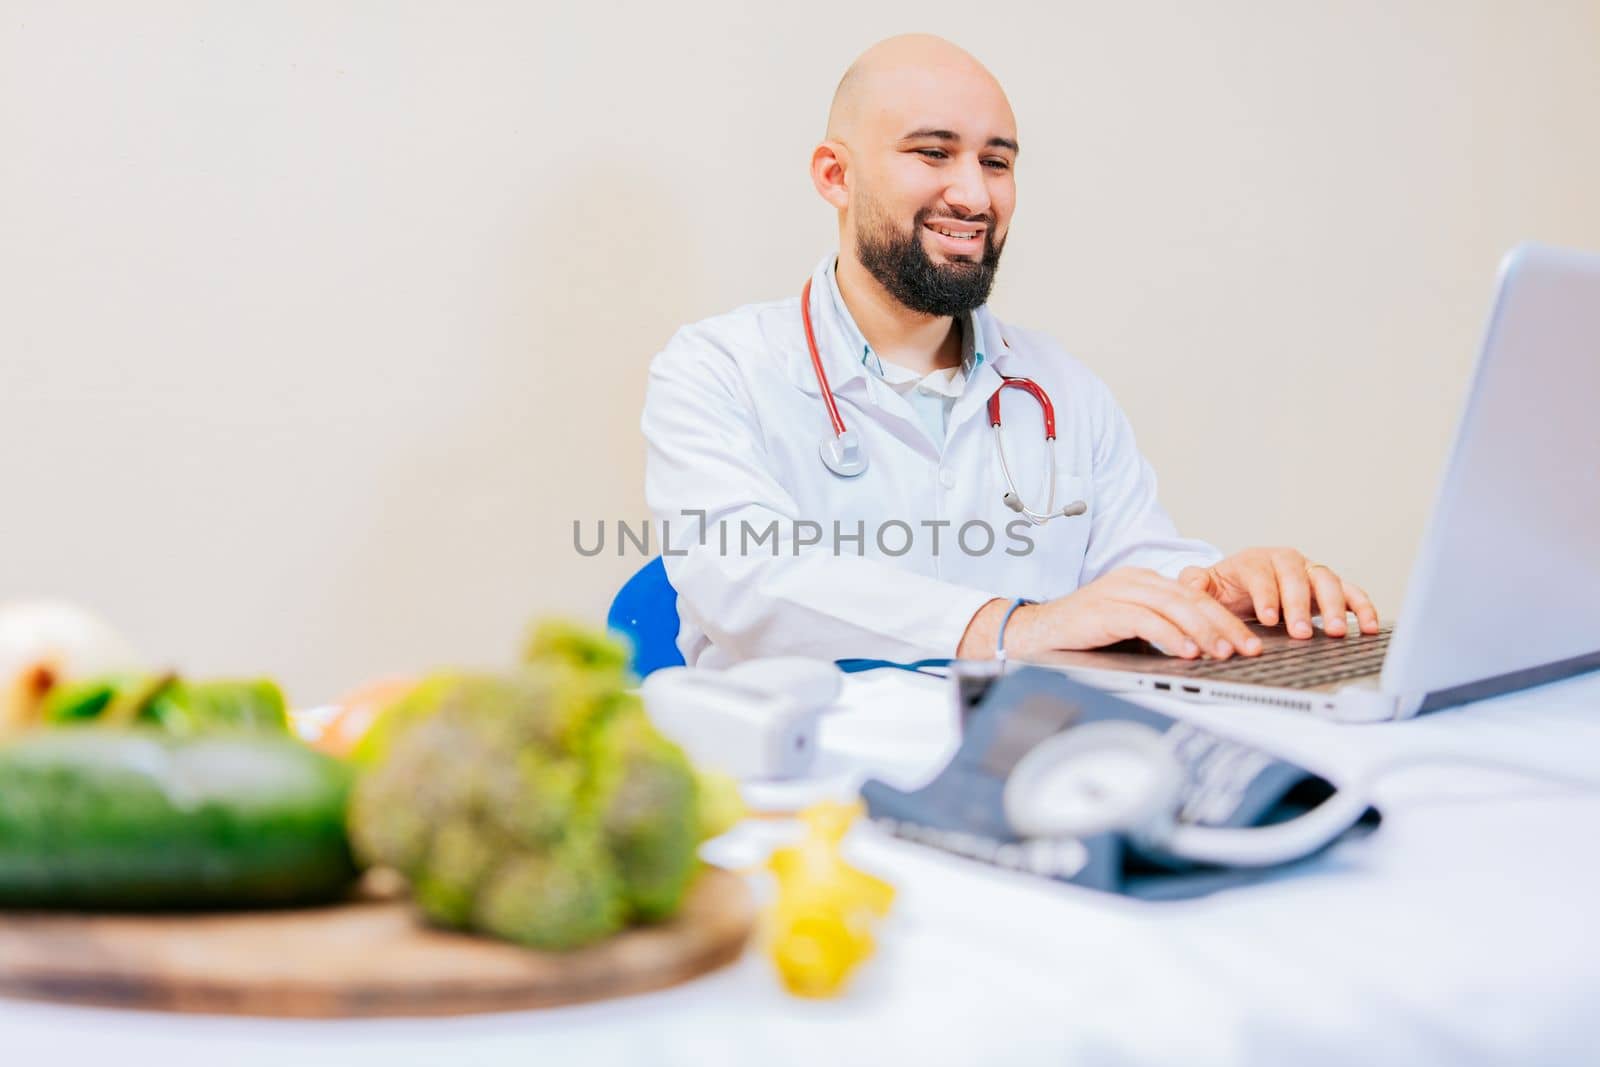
<point>1267,846</point>
<point>1264,846</point>
<point>1443,758</point>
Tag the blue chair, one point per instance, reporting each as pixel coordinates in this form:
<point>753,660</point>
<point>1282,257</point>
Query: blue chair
<point>645,611</point>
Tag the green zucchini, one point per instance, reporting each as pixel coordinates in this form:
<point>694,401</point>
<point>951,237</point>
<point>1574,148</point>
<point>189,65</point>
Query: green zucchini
<point>99,817</point>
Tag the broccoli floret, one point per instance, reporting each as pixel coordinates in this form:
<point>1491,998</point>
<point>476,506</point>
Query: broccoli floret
<point>539,805</point>
<point>577,645</point>
<point>460,857</point>
<point>645,796</point>
<point>557,899</point>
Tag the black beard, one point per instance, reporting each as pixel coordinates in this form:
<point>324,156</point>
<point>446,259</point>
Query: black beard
<point>902,266</point>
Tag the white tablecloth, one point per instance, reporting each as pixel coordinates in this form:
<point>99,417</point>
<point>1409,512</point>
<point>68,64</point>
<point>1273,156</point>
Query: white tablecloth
<point>1463,932</point>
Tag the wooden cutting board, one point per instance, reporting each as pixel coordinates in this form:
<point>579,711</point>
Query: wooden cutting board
<point>367,958</point>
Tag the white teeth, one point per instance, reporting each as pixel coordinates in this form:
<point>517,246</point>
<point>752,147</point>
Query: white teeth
<point>962,236</point>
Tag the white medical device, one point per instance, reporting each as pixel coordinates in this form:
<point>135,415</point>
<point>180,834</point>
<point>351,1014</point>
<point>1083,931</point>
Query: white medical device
<point>755,720</point>
<point>1125,776</point>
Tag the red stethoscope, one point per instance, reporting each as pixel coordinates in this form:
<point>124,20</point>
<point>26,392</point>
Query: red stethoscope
<point>843,455</point>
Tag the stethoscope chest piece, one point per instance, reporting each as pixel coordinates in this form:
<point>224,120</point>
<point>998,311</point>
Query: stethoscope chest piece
<point>843,455</point>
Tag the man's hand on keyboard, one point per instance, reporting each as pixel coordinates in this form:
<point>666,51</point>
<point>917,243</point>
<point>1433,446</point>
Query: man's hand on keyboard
<point>1127,602</point>
<point>1267,583</point>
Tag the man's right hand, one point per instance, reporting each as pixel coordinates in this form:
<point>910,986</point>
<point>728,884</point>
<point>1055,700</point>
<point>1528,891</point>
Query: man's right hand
<point>1128,602</point>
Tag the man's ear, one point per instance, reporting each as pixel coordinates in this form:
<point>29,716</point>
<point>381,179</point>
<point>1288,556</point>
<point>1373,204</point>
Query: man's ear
<point>830,163</point>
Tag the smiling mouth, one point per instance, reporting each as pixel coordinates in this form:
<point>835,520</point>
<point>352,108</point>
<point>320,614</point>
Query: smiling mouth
<point>958,235</point>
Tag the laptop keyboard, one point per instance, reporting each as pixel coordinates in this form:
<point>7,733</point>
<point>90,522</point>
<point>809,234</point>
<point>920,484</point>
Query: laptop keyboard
<point>1319,661</point>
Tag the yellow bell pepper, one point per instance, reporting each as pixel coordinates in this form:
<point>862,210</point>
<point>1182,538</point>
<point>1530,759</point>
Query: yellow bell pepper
<point>819,926</point>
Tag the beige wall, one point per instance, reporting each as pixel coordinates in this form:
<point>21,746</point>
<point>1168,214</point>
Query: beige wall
<point>321,322</point>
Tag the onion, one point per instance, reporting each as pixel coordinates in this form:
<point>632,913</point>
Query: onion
<point>46,642</point>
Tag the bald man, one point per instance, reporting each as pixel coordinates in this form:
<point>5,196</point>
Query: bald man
<point>823,468</point>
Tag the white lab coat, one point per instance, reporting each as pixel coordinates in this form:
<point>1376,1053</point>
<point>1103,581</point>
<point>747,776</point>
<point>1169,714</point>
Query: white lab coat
<point>733,419</point>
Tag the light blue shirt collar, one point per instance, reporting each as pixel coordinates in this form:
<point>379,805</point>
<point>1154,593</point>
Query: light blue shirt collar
<point>971,355</point>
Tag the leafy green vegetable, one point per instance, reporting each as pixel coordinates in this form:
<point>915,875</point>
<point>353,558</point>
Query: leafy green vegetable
<point>176,706</point>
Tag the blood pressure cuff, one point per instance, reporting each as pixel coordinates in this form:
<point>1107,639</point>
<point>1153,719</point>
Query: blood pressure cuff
<point>962,811</point>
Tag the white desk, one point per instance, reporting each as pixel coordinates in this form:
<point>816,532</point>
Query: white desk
<point>1463,932</point>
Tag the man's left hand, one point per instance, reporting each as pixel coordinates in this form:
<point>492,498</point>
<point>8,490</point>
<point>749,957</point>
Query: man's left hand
<point>1269,582</point>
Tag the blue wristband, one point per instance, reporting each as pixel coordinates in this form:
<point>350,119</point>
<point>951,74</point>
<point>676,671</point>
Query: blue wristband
<point>1000,637</point>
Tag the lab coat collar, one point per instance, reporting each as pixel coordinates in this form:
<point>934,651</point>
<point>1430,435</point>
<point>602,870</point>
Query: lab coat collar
<point>840,358</point>
<point>986,378</point>
<point>997,350</point>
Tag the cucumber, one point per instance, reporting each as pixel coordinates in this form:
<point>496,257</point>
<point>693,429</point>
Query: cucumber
<point>96,817</point>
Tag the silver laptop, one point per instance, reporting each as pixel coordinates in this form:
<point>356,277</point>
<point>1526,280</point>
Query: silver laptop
<point>1505,592</point>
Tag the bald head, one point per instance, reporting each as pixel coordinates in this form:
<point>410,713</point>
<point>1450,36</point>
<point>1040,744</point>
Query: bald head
<point>891,73</point>
<point>918,162</point>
